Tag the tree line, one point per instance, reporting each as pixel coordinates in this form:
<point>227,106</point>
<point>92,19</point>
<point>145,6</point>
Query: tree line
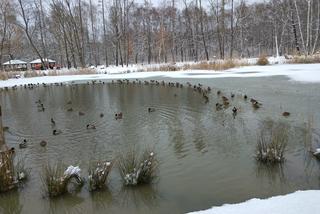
<point>79,33</point>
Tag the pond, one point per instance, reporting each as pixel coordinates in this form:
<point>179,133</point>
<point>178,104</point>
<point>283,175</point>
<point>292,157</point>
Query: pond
<point>206,156</point>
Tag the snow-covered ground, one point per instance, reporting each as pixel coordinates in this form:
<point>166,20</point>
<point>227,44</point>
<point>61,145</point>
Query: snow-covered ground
<point>296,72</point>
<point>300,202</point>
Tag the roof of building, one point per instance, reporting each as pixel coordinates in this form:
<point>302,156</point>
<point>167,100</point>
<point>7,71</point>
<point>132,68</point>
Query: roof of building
<point>15,62</point>
<point>37,61</point>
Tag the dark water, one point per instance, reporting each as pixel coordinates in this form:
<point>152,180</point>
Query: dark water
<point>206,157</point>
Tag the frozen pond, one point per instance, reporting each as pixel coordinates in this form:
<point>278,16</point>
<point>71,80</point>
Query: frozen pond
<point>206,156</point>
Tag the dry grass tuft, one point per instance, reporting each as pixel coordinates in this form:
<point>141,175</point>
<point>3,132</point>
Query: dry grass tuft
<point>263,60</point>
<point>98,174</point>
<point>56,180</point>
<point>216,65</point>
<point>305,59</point>
<point>137,168</point>
<point>272,142</point>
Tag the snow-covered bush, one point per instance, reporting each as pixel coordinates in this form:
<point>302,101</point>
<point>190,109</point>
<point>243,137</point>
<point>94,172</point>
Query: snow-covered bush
<point>56,178</point>
<point>272,142</point>
<point>98,174</point>
<point>136,168</point>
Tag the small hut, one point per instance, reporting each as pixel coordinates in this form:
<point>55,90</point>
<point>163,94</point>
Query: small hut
<point>37,64</point>
<point>15,65</point>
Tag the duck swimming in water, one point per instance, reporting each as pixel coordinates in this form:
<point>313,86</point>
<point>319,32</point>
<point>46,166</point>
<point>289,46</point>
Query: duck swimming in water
<point>23,144</point>
<point>101,115</point>
<point>286,114</point>
<point>219,106</point>
<point>151,109</point>
<point>118,115</point>
<point>53,122</point>
<point>81,113</point>
<point>91,126</point>
<point>56,132</point>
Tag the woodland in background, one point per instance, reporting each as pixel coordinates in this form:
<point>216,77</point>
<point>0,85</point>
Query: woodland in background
<point>80,33</point>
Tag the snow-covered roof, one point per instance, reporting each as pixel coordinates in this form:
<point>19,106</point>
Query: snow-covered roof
<point>15,62</point>
<point>37,61</point>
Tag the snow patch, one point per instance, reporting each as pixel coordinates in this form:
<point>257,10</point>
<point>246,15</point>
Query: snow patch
<point>294,203</point>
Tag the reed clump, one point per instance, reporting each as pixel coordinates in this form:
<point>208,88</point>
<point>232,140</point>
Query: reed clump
<point>272,142</point>
<point>138,168</point>
<point>56,178</point>
<point>98,174</point>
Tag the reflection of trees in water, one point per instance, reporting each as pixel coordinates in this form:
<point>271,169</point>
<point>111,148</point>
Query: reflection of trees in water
<point>137,196</point>
<point>10,202</point>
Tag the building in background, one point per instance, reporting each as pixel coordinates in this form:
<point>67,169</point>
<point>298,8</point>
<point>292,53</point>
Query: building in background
<point>15,65</point>
<point>37,65</point>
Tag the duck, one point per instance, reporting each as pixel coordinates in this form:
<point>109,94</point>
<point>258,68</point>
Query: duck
<point>218,106</point>
<point>256,104</point>
<point>81,113</point>
<point>226,103</point>
<point>101,115</point>
<point>286,114</point>
<point>218,92</point>
<point>70,109</point>
<point>225,99</point>
<point>53,122</point>
<point>69,102</point>
<point>151,109</point>
<point>5,128</point>
<point>232,95</point>
<point>234,110</point>
<point>91,126</point>
<point>245,97</point>
<point>118,115</point>
<point>23,144</point>
<point>56,132</point>
<point>43,143</point>
<point>206,98</point>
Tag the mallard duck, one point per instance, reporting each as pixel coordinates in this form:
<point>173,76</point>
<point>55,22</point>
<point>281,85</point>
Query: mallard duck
<point>101,115</point>
<point>43,143</point>
<point>56,132</point>
<point>91,126</point>
<point>206,98</point>
<point>219,106</point>
<point>118,115</point>
<point>23,144</point>
<point>151,109</point>
<point>81,113</point>
<point>286,114</point>
<point>224,99</point>
<point>53,122</point>
<point>256,104</point>
<point>234,110</point>
<point>232,95</point>
<point>245,97</point>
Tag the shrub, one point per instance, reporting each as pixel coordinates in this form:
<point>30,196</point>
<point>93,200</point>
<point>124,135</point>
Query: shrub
<point>272,142</point>
<point>56,179</point>
<point>305,59</point>
<point>263,60</point>
<point>137,168</point>
<point>98,174</point>
<point>7,177</point>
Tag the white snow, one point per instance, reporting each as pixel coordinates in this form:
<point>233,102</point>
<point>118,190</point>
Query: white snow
<point>295,203</point>
<point>296,72</point>
<point>15,62</point>
<point>72,170</point>
<point>37,61</point>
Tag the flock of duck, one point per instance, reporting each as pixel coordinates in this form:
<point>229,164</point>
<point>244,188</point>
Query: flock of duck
<point>203,91</point>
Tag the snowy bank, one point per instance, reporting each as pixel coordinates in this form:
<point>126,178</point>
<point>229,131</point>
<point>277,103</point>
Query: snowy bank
<point>294,203</point>
<point>296,72</point>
